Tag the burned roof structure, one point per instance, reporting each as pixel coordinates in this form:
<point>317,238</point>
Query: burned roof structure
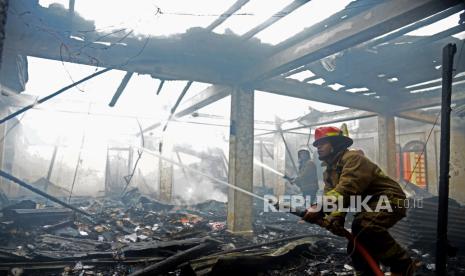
<point>362,57</point>
<point>361,31</point>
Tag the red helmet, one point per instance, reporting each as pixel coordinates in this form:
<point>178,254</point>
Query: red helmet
<point>331,134</point>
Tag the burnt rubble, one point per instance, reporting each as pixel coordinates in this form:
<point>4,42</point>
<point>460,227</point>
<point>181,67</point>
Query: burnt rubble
<point>140,236</point>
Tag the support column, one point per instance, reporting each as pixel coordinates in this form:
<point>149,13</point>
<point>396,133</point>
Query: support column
<point>431,161</point>
<point>165,172</point>
<point>5,186</point>
<point>457,164</point>
<point>241,143</point>
<point>3,111</point>
<point>387,144</point>
<point>279,153</point>
<point>262,170</point>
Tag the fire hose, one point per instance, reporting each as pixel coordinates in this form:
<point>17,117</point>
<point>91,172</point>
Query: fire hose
<point>357,245</point>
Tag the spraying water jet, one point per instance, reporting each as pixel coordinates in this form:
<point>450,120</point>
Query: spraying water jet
<point>267,167</point>
<point>156,154</point>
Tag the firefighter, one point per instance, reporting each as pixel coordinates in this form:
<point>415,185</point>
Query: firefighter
<point>349,173</point>
<point>306,179</point>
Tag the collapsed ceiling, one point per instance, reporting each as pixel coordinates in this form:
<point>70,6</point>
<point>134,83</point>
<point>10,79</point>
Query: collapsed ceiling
<point>335,51</point>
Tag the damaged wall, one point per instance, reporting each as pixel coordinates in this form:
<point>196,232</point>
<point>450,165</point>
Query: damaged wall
<point>13,72</point>
<point>457,164</point>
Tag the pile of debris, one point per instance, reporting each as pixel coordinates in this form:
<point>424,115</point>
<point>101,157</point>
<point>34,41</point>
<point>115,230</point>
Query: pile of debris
<point>137,235</point>
<point>140,236</point>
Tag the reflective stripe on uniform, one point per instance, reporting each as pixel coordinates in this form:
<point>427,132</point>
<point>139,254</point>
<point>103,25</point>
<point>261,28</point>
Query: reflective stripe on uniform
<point>333,193</point>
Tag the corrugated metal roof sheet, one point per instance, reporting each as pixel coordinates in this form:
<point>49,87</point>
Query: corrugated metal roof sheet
<point>418,229</point>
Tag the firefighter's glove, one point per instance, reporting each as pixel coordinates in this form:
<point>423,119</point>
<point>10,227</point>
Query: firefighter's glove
<point>334,222</point>
<point>314,215</point>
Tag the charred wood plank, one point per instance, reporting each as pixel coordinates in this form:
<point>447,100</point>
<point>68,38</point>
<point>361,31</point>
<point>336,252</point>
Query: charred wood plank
<point>121,87</point>
<point>275,18</point>
<point>30,217</point>
<point>175,260</point>
<point>235,7</point>
<point>59,225</point>
<point>149,248</point>
<point>46,265</point>
<point>37,191</point>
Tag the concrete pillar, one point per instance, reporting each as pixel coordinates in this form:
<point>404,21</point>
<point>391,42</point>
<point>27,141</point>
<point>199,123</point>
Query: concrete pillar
<point>8,187</point>
<point>262,170</point>
<point>387,144</point>
<point>457,164</point>
<point>4,185</point>
<point>166,172</point>
<point>432,171</point>
<point>279,153</point>
<point>241,143</point>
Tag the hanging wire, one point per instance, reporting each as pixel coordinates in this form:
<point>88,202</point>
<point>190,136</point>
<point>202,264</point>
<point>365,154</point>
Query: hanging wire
<point>351,6</point>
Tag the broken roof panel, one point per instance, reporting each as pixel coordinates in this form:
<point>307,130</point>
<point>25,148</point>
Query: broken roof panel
<point>252,14</point>
<point>438,26</point>
<point>158,18</point>
<point>200,55</point>
<point>304,17</point>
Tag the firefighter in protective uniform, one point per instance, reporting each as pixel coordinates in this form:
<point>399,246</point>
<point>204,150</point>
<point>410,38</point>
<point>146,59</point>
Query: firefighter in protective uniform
<point>306,179</point>
<point>350,173</point>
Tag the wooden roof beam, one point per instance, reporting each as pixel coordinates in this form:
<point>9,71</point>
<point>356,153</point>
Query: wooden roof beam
<point>418,116</point>
<point>373,22</point>
<point>275,18</point>
<point>202,99</point>
<point>121,87</point>
<point>425,101</point>
<point>414,26</point>
<point>234,8</point>
<point>323,118</point>
<point>313,92</point>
